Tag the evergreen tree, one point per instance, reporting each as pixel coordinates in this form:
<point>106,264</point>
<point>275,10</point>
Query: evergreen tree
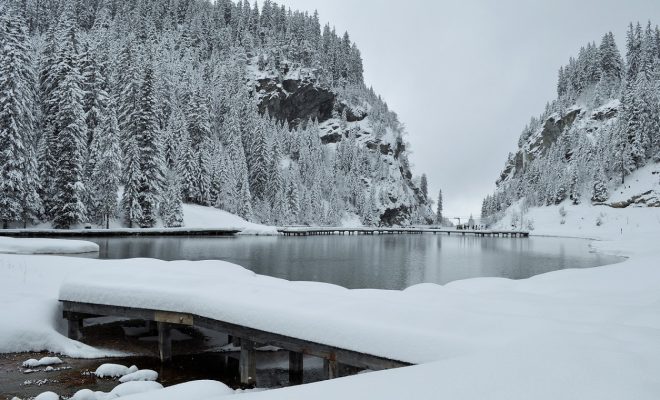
<point>424,187</point>
<point>132,178</point>
<point>105,176</point>
<point>18,180</point>
<point>438,213</point>
<point>69,131</point>
<point>151,162</point>
<point>171,209</point>
<point>599,192</point>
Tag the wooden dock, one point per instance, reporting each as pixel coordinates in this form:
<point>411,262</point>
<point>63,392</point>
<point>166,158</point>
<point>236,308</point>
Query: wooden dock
<point>301,231</point>
<point>336,360</point>
<point>124,232</point>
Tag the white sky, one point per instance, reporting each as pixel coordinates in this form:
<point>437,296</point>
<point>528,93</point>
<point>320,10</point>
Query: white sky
<point>466,76</point>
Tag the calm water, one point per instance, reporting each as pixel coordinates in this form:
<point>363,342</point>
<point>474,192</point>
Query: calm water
<point>382,262</point>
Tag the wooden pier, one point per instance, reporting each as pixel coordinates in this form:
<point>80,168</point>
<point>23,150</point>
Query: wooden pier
<point>300,231</point>
<point>336,360</point>
<point>124,232</point>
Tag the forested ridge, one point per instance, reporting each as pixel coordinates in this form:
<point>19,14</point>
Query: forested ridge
<point>604,125</point>
<point>125,109</point>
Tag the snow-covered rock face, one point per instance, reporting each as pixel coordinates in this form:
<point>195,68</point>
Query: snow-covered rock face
<point>295,100</point>
<point>351,113</point>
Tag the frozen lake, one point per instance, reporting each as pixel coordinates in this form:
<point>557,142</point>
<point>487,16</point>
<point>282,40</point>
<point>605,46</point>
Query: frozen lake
<point>380,262</point>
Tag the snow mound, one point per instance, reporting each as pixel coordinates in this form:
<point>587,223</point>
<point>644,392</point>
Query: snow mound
<point>9,245</point>
<point>86,394</point>
<point>47,396</point>
<point>200,217</point>
<point>129,388</point>
<point>141,375</point>
<point>114,370</point>
<point>195,390</point>
<point>33,363</point>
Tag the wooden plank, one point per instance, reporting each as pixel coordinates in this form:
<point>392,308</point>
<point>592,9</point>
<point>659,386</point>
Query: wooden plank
<point>173,318</point>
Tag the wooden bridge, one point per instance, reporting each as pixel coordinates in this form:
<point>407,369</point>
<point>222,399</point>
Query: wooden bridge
<point>303,231</point>
<point>336,361</point>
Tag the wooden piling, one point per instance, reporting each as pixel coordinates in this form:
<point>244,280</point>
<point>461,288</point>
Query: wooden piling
<point>74,326</point>
<point>248,364</point>
<point>295,368</point>
<point>330,370</point>
<point>164,341</point>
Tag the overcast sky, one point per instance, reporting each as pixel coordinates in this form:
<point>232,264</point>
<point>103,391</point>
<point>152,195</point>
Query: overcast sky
<point>466,76</point>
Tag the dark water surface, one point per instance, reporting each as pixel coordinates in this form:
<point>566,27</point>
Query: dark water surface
<point>379,261</point>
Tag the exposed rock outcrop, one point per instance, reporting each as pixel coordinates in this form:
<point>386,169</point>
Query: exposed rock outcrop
<point>295,100</point>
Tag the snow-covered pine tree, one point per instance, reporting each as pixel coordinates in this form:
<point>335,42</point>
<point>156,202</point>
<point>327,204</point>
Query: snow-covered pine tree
<point>132,178</point>
<point>70,130</point>
<point>151,161</point>
<point>18,180</point>
<point>438,213</point>
<point>259,161</point>
<point>424,187</point>
<point>611,65</point>
<point>105,177</point>
<point>128,93</point>
<point>599,193</point>
<point>171,209</point>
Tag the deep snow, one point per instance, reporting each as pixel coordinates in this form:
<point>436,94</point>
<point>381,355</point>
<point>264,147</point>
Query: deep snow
<point>583,334</point>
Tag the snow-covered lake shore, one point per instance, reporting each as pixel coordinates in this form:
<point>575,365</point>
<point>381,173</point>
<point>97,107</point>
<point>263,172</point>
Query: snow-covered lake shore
<point>9,245</point>
<point>589,334</point>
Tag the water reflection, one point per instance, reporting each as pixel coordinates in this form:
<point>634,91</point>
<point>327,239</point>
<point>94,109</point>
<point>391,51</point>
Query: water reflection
<point>384,262</point>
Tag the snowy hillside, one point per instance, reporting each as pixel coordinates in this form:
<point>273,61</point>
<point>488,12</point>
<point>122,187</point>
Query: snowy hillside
<point>599,141</point>
<point>256,110</point>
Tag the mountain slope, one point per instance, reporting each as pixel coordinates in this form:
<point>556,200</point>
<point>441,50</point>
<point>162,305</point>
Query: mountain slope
<point>588,143</point>
<point>258,111</point>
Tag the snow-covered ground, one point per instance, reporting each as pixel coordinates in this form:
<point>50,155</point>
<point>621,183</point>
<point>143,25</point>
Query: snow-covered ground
<point>195,218</point>
<point>9,245</point>
<point>212,218</point>
<point>583,334</point>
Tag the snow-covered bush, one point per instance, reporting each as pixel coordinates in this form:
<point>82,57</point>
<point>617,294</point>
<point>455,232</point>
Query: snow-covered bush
<point>530,224</point>
<point>562,212</point>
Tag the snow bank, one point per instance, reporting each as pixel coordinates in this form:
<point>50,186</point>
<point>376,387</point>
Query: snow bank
<point>212,218</point>
<point>10,245</point>
<point>30,313</point>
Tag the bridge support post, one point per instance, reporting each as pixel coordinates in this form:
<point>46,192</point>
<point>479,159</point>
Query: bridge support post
<point>165,341</point>
<point>248,364</point>
<point>330,370</point>
<point>74,325</point>
<point>295,368</point>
